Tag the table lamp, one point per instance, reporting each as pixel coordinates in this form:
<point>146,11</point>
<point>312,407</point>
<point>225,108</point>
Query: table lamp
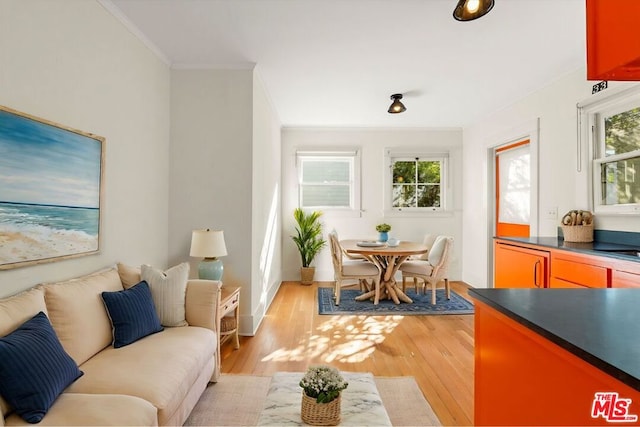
<point>208,244</point>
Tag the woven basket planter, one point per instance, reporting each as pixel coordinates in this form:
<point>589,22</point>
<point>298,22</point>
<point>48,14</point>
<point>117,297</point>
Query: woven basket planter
<point>306,275</point>
<point>578,233</point>
<point>320,414</point>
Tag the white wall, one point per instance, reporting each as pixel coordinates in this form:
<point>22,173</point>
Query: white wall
<point>211,177</point>
<point>560,184</point>
<point>372,143</point>
<point>73,63</point>
<point>266,213</point>
<point>225,169</point>
<point>185,149</point>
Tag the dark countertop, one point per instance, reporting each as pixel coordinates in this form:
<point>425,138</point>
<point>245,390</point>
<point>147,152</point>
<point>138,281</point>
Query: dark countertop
<point>599,248</point>
<point>601,326</point>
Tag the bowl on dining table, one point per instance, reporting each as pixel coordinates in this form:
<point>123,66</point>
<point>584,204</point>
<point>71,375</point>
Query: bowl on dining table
<point>393,242</point>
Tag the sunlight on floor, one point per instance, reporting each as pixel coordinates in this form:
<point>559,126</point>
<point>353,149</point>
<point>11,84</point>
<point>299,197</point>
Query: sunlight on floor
<point>346,339</point>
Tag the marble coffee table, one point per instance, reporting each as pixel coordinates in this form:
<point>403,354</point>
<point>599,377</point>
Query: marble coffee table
<point>361,403</point>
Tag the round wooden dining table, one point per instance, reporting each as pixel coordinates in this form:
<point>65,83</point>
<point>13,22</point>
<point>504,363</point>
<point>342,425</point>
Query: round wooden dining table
<point>388,259</point>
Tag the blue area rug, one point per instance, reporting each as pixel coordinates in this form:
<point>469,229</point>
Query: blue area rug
<point>421,304</point>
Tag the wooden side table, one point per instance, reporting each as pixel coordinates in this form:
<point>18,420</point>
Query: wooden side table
<point>228,325</point>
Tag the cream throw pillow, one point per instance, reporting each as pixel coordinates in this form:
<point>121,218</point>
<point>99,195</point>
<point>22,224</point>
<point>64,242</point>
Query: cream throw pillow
<point>77,313</point>
<point>129,276</point>
<point>168,290</point>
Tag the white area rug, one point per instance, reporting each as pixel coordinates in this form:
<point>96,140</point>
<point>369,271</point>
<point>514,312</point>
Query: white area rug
<point>361,404</point>
<point>237,400</point>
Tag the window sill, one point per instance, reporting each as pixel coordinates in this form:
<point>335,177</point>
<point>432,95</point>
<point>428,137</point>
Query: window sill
<point>617,210</point>
<point>417,214</point>
<point>340,213</point>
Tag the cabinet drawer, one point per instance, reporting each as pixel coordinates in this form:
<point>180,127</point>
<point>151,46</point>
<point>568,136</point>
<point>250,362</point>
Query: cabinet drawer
<point>623,279</point>
<point>559,283</point>
<point>591,276</point>
<point>232,303</point>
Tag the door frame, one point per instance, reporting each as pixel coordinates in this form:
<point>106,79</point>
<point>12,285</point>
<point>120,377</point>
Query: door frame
<point>529,130</point>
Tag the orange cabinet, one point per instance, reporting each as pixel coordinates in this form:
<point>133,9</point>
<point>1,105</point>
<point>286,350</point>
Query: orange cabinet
<point>613,44</point>
<point>521,378</point>
<point>623,279</point>
<point>569,270</point>
<point>626,275</point>
<point>528,265</point>
<point>518,267</point>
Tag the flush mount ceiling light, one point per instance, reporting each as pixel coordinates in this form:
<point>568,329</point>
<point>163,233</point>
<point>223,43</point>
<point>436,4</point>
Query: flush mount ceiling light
<point>468,10</point>
<point>396,106</point>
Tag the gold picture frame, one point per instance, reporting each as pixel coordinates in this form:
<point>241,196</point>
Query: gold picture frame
<point>51,190</point>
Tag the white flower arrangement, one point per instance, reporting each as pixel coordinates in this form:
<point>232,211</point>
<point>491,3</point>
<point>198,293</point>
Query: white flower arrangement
<point>324,383</point>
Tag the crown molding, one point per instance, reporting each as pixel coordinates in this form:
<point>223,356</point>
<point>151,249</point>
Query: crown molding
<point>214,66</point>
<point>133,29</point>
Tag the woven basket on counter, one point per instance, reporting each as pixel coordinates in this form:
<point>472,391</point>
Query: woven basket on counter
<point>320,414</point>
<point>578,233</point>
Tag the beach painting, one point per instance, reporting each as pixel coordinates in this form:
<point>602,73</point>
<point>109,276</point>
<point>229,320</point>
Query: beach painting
<point>50,190</point>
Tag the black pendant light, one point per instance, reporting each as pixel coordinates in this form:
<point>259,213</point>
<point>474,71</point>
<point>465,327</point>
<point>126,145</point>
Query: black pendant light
<point>468,10</point>
<point>397,106</point>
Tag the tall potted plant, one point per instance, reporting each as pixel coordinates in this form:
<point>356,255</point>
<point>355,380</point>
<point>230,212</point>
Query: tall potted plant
<point>308,240</point>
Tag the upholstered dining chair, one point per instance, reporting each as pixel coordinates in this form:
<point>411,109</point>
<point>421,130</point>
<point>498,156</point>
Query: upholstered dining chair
<point>351,269</point>
<point>432,270</point>
<point>428,240</point>
<point>347,254</point>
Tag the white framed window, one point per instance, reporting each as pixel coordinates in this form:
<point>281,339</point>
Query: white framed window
<point>615,153</point>
<point>329,181</point>
<point>416,182</point>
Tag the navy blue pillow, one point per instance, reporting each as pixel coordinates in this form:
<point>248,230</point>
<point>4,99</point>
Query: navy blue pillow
<point>133,315</point>
<point>34,368</point>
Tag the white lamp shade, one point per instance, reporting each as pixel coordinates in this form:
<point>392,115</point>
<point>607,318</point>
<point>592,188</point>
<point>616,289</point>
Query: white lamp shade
<point>208,244</point>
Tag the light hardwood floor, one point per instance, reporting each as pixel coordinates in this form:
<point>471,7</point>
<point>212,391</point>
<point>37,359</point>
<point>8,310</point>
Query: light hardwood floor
<point>436,350</point>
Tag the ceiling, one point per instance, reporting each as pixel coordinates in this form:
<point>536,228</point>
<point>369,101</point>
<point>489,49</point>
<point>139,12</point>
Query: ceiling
<point>335,63</point>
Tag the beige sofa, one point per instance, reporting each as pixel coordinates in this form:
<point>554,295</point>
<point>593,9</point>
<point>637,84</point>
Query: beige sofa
<point>156,380</point>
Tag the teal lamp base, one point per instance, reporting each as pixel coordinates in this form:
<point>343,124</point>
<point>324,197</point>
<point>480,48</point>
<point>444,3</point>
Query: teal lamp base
<point>210,269</point>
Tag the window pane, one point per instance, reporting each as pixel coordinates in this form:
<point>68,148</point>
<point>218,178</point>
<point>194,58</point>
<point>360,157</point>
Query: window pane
<point>326,171</point>
<point>515,185</point>
<point>622,132</point>
<point>417,183</point>
<point>404,172</point>
<point>621,182</point>
<point>428,196</point>
<point>404,196</point>
<point>325,195</point>
<point>429,172</point>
